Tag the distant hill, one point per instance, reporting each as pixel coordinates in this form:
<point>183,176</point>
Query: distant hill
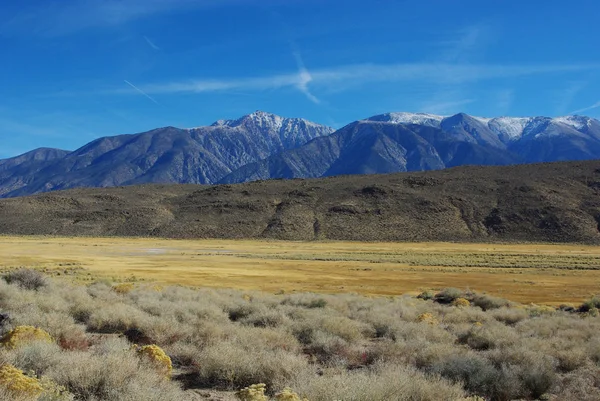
<point>557,202</point>
<point>200,155</point>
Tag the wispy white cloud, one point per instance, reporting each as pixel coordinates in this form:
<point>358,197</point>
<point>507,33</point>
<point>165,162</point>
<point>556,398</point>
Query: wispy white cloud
<point>353,75</point>
<point>151,43</point>
<point>592,107</point>
<point>304,78</point>
<point>140,91</point>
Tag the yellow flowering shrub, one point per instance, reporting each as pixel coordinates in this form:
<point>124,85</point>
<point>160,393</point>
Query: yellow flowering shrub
<point>17,383</point>
<point>288,395</point>
<point>123,288</point>
<point>21,335</point>
<point>427,318</point>
<point>255,392</point>
<point>158,357</point>
<point>461,302</point>
<point>54,391</point>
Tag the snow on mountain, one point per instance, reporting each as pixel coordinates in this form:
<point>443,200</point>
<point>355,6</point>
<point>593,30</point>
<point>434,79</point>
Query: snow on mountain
<point>258,118</point>
<point>430,120</point>
<point>508,129</point>
<point>511,127</point>
<point>577,122</point>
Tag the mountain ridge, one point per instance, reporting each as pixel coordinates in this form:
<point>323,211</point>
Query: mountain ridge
<point>195,155</point>
<point>442,142</point>
<point>262,145</point>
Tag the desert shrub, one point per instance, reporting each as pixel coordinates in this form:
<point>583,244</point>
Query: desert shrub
<point>461,302</point>
<point>29,279</point>
<point>229,365</point>
<point>593,350</point>
<point>22,335</point>
<point>383,382</point>
<point>426,295</point>
<point>509,316</point>
<point>158,358</point>
<point>310,301</point>
<point>447,295</point>
<point>123,288</point>
<point>487,302</point>
<point>427,318</point>
<point>347,329</point>
<point>115,318</point>
<point>535,372</point>
<point>488,336</point>
<point>593,303</point>
<point>475,372</point>
<point>287,394</point>
<point>569,359</point>
<point>18,385</point>
<point>254,392</point>
<point>580,385</point>
<point>36,357</point>
<point>112,371</point>
<point>264,318</point>
<point>537,379</point>
<point>57,323</point>
<point>239,312</point>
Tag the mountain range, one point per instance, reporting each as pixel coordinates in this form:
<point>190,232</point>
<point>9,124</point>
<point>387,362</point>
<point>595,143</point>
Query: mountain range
<point>262,146</point>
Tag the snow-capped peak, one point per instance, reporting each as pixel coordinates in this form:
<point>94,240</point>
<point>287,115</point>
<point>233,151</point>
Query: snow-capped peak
<point>577,122</point>
<point>510,127</point>
<point>260,118</point>
<point>431,120</point>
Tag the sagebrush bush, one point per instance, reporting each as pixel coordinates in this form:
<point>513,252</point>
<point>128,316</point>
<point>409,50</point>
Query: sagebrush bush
<point>29,279</point>
<point>447,295</point>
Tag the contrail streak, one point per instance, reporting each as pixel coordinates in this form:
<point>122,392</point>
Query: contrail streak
<point>140,91</point>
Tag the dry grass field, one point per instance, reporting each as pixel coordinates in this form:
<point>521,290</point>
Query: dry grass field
<point>539,273</point>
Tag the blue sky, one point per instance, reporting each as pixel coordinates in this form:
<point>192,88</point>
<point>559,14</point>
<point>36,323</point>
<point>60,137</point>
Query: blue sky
<point>75,70</point>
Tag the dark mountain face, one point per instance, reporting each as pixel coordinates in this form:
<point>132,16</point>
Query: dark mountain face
<point>39,155</point>
<point>167,155</point>
<point>18,171</point>
<point>396,142</point>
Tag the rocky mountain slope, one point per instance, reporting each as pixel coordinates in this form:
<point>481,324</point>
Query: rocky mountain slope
<point>166,155</point>
<point>396,142</point>
<point>16,172</point>
<point>558,202</point>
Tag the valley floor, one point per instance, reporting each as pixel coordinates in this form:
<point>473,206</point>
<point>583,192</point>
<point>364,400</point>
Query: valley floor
<point>539,273</point>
